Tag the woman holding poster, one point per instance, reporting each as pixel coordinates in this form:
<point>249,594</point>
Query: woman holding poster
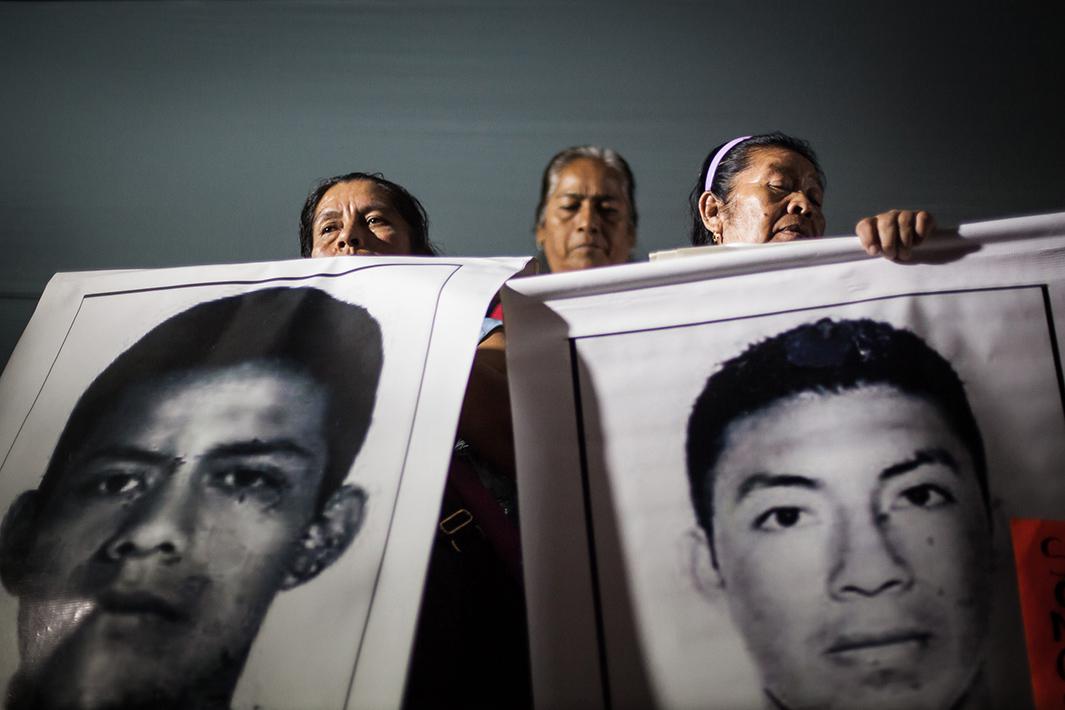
<point>471,646</point>
<point>770,188</point>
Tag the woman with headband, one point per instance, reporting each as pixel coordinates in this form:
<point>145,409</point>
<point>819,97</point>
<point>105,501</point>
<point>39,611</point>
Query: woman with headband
<point>769,188</point>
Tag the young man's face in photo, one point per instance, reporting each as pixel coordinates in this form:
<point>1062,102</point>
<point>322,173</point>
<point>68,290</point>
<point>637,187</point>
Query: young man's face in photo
<point>853,542</point>
<point>167,535</point>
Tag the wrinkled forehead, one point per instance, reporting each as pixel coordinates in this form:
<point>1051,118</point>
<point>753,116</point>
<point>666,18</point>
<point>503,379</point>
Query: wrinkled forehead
<point>771,158</point>
<point>355,194</point>
<point>589,176</point>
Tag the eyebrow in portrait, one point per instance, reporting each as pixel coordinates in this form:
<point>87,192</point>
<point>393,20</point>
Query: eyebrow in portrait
<point>258,447</point>
<point>923,457</point>
<point>759,481</point>
<point>131,454</point>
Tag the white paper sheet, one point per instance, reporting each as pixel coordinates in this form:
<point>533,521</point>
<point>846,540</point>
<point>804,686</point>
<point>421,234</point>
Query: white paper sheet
<point>625,607</point>
<point>340,639</point>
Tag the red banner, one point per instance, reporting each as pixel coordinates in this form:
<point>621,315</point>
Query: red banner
<point>1039,552</point>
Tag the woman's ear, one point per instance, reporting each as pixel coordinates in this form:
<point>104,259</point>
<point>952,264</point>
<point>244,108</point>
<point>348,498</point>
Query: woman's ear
<point>16,538</point>
<point>328,535</point>
<point>710,211</point>
<point>540,235</point>
<point>708,579</point>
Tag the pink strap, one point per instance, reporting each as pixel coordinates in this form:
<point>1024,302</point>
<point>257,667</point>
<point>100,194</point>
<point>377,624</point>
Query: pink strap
<point>712,170</point>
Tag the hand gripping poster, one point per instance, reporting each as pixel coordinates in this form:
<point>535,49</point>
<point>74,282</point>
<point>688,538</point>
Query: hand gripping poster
<point>783,477</point>
<point>219,484</point>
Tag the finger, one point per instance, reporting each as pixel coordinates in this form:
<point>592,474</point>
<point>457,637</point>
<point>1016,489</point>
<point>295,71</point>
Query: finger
<point>866,231</point>
<point>926,225</point>
<point>905,222</point>
<point>888,229</point>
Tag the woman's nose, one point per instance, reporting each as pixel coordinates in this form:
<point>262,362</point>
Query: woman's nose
<point>799,203</point>
<point>588,218</point>
<point>348,243</point>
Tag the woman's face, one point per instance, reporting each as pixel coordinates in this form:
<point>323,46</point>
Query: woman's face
<point>587,220</point>
<point>776,198</point>
<point>357,217</point>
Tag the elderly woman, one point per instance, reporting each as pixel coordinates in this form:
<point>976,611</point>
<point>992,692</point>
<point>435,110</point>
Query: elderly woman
<point>770,188</point>
<point>587,211</point>
<point>366,214</point>
<point>363,213</point>
<point>470,646</point>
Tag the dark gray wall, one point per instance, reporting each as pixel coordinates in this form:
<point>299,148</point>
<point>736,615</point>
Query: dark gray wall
<point>158,134</point>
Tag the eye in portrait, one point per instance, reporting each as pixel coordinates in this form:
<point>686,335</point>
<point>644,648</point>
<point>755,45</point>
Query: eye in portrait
<point>201,473</point>
<point>839,476</point>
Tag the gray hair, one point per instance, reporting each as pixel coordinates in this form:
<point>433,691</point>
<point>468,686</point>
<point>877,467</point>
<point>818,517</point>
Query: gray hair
<point>608,157</point>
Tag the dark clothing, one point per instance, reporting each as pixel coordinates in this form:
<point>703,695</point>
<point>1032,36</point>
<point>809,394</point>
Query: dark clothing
<point>471,647</point>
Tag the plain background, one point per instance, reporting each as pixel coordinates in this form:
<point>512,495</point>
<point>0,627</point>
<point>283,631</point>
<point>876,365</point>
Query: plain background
<point>157,134</point>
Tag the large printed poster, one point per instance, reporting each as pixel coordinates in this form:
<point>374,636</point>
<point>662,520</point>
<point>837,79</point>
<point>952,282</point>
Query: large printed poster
<point>219,484</point>
<point>798,479</point>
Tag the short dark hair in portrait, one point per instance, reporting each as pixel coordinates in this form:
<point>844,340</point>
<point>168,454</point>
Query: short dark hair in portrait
<point>827,357</point>
<point>199,474</point>
<point>406,204</point>
<point>734,162</point>
<point>301,328</point>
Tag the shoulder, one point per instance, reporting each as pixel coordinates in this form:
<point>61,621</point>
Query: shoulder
<point>490,326</point>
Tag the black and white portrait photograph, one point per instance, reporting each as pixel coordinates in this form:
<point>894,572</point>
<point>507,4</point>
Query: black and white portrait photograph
<point>815,517</point>
<point>198,504</point>
<point>787,475</point>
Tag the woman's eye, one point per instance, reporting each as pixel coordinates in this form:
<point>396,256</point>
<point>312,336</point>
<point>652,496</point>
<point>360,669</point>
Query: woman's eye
<point>328,228</point>
<point>782,518</point>
<point>925,495</point>
<point>569,206</point>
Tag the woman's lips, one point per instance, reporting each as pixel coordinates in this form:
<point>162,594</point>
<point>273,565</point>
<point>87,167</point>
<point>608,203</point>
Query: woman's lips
<point>794,231</point>
<point>587,246</point>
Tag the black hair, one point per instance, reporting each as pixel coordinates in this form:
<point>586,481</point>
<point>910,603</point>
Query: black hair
<point>824,357</point>
<point>608,157</point>
<point>304,330</point>
<point>734,162</point>
<point>406,204</point>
